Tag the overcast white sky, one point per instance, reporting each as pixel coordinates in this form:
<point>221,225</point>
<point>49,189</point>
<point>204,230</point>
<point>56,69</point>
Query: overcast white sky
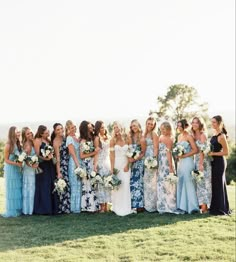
<point>133,49</point>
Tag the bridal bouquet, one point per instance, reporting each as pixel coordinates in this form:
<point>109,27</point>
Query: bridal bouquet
<point>178,150</point>
<point>205,148</point>
<point>133,152</point>
<point>112,181</point>
<point>60,186</point>
<point>47,150</point>
<point>80,172</point>
<point>150,162</point>
<point>172,179</point>
<point>197,175</point>
<point>87,147</point>
<point>20,158</point>
<point>95,178</point>
<point>32,160</point>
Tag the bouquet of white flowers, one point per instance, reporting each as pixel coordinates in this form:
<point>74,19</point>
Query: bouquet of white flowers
<point>87,147</point>
<point>80,172</point>
<point>20,158</point>
<point>133,152</point>
<point>32,160</point>
<point>47,150</point>
<point>95,178</point>
<point>172,179</point>
<point>178,150</point>
<point>60,186</point>
<point>112,181</point>
<point>197,175</point>
<point>150,163</point>
<point>206,148</point>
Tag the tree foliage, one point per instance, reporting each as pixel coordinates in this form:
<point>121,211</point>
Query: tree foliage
<point>231,166</point>
<point>1,158</point>
<point>181,101</point>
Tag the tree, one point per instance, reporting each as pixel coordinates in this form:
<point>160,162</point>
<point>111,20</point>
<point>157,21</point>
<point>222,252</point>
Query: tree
<point>181,101</point>
<point>1,158</point>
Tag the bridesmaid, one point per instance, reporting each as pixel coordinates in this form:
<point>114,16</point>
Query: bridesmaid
<point>121,198</point>
<point>89,201</point>
<point>150,176</point>
<point>166,193</point>
<point>219,201</point>
<point>202,163</point>
<point>12,174</point>
<point>186,192</point>
<point>62,160</point>
<point>28,172</point>
<point>102,163</point>
<point>45,202</point>
<point>72,143</point>
<point>137,141</point>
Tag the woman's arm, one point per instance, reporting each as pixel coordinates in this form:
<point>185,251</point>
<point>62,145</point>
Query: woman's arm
<point>201,158</point>
<point>6,157</point>
<point>56,147</point>
<point>96,145</point>
<point>169,145</point>
<point>193,145</point>
<point>112,155</point>
<point>155,144</point>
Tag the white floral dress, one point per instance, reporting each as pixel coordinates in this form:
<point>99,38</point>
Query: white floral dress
<point>204,186</point>
<point>150,181</point>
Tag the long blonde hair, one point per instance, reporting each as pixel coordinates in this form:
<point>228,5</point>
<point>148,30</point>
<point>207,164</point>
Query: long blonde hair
<point>122,132</point>
<point>140,132</point>
<point>13,140</point>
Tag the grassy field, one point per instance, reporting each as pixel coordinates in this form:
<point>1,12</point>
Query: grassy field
<point>107,237</point>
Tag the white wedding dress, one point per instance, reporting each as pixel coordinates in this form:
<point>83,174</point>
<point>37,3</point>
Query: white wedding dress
<point>121,199</point>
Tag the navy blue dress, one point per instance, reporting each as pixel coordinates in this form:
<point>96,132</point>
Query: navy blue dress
<point>45,202</point>
<point>219,201</point>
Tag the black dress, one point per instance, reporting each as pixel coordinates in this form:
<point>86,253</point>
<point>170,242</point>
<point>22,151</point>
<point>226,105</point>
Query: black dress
<point>219,201</point>
<point>45,202</point>
<point>64,202</point>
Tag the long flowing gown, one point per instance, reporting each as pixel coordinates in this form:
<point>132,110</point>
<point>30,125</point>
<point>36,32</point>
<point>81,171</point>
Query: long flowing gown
<point>74,181</point>
<point>89,200</point>
<point>204,186</point>
<point>136,183</point>
<point>45,202</point>
<point>13,187</point>
<point>64,199</point>
<point>166,192</point>
<point>150,181</point>
<point>104,166</point>
<point>121,198</point>
<point>186,188</point>
<point>28,187</point>
<point>219,201</point>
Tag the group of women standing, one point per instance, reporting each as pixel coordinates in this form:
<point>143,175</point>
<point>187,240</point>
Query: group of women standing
<point>30,187</point>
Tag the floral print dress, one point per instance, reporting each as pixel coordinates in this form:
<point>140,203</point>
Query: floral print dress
<point>166,192</point>
<point>89,200</point>
<point>150,181</point>
<point>204,186</point>
<point>136,182</point>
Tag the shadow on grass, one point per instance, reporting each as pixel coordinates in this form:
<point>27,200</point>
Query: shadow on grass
<point>36,231</point>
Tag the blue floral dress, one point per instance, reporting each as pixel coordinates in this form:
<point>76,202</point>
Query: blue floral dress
<point>204,186</point>
<point>186,187</point>
<point>150,181</point>
<point>13,187</point>
<point>136,182</point>
<point>64,199</point>
<point>166,192</point>
<point>89,200</point>
<point>28,187</point>
<point>74,181</point>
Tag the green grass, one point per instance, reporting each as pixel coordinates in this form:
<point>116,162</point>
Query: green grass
<point>107,237</point>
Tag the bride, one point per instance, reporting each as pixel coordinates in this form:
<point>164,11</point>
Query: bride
<point>121,199</point>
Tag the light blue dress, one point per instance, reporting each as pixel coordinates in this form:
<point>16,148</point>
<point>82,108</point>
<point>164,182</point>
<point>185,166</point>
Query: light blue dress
<point>75,182</point>
<point>186,188</point>
<point>150,181</point>
<point>13,187</point>
<point>28,191</point>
